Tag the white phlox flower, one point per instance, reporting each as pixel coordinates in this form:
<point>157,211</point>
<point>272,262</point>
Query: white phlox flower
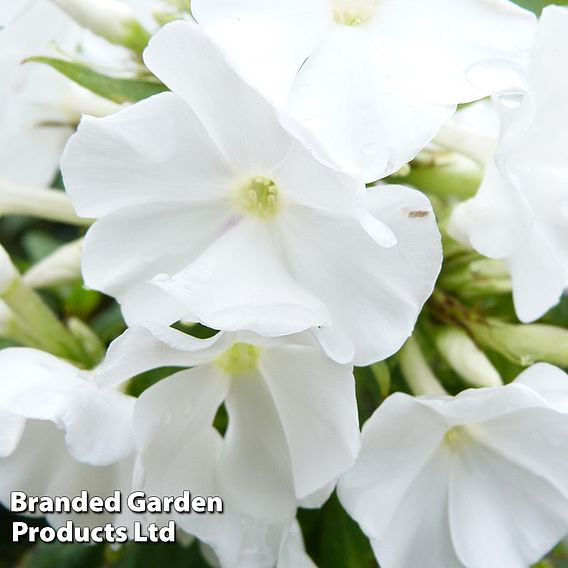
<point>374,78</point>
<point>520,213</point>
<point>40,107</point>
<point>292,426</point>
<point>60,433</point>
<point>476,480</point>
<point>210,210</point>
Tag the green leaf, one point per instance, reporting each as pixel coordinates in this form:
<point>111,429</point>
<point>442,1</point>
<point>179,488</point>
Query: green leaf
<point>112,88</point>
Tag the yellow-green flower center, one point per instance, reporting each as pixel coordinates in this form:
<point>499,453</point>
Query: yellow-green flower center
<point>459,435</point>
<point>354,12</point>
<point>240,359</point>
<point>259,196</point>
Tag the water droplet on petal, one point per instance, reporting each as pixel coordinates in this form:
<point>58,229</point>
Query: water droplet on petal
<point>161,278</point>
<point>200,273</point>
<point>511,100</point>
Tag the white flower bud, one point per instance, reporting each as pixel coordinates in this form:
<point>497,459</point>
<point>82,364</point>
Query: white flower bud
<point>110,19</point>
<point>466,359</point>
<point>60,267</point>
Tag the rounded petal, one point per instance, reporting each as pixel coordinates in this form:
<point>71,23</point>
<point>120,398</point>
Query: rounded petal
<point>50,389</point>
<point>236,117</point>
<point>287,31</point>
<point>371,121</point>
<point>111,264</point>
<point>499,219</point>
<point>315,400</point>
<point>539,279</point>
<point>241,282</point>
<point>153,151</point>
<point>391,283</point>
<point>455,51</point>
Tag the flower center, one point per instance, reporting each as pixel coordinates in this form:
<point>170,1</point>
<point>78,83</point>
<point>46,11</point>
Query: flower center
<point>459,436</point>
<point>240,359</point>
<point>354,12</point>
<point>259,196</point>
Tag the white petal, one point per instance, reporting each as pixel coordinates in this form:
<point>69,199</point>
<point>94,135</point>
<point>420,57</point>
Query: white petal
<point>392,284</point>
<point>146,153</point>
<point>347,94</point>
<point>268,40</point>
<point>11,429</point>
<point>539,279</point>
<point>125,250</point>
<point>184,402</point>
<point>255,469</point>
<point>241,282</point>
<point>97,424</point>
<point>455,51</point>
<point>315,400</point>
<point>548,381</point>
<point>499,217</point>
<point>496,498</point>
<point>293,553</point>
<point>235,115</point>
<point>315,182</point>
<point>140,349</point>
<point>371,492</point>
<point>412,539</point>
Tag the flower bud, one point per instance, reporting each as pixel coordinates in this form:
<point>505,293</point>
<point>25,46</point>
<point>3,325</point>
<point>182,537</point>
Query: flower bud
<point>466,359</point>
<point>110,19</point>
<point>524,344</point>
<point>61,267</point>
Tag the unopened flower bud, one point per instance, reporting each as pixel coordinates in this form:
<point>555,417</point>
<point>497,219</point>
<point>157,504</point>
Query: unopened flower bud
<point>466,359</point>
<point>61,267</point>
<point>524,344</point>
<point>111,19</point>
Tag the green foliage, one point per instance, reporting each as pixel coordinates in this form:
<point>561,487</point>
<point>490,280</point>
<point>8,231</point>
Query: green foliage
<point>112,88</point>
<point>335,540</point>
